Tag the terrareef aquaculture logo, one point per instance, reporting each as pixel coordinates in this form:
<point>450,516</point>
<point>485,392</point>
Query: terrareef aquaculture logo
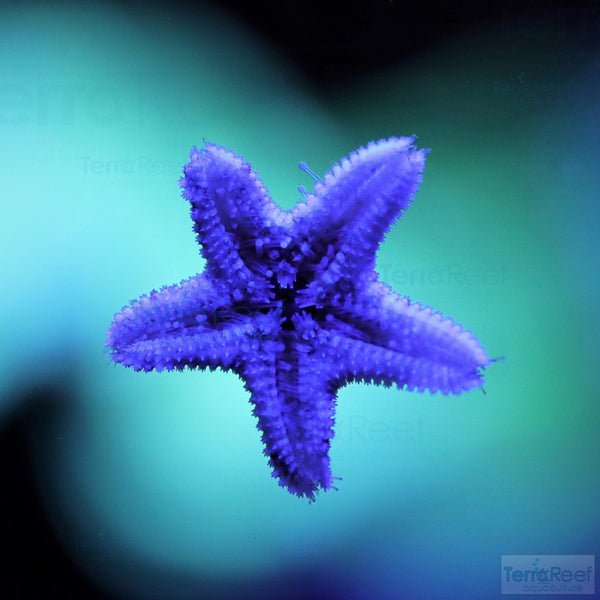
<point>548,574</point>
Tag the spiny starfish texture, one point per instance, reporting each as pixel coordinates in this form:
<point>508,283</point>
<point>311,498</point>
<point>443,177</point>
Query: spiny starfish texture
<point>290,301</point>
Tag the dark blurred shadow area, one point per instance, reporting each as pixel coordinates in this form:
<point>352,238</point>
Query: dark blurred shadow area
<point>34,564</point>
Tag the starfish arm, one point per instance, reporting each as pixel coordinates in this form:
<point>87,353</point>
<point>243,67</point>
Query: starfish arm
<point>234,218</point>
<point>294,403</point>
<point>352,209</point>
<point>184,325</point>
<point>392,340</point>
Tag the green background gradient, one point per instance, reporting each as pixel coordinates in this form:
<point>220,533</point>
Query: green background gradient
<point>155,484</point>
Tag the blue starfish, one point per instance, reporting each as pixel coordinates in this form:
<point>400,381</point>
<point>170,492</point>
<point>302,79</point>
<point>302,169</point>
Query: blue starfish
<point>290,301</point>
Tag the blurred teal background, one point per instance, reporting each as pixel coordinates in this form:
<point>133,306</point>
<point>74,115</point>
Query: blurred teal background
<point>154,485</point>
